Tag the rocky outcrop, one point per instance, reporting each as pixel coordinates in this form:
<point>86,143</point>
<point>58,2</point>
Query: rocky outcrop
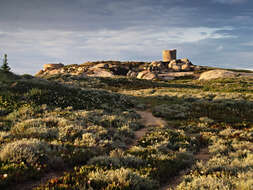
<point>52,66</point>
<point>158,66</point>
<point>51,69</point>
<point>100,66</point>
<point>100,73</point>
<point>147,75</point>
<point>132,74</point>
<point>100,70</point>
<point>141,70</point>
<point>173,65</point>
<point>214,74</point>
<point>181,65</point>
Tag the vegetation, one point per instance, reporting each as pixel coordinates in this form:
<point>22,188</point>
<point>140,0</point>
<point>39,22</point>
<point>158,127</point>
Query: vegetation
<point>86,127</point>
<point>5,66</point>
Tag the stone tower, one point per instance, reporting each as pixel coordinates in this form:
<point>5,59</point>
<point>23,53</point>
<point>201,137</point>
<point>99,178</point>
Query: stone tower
<point>169,55</point>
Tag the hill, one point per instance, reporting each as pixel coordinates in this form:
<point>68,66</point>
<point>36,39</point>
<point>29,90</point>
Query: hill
<point>122,132</point>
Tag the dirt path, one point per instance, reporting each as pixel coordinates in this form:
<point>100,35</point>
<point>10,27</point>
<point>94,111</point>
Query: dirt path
<point>202,155</point>
<point>148,120</point>
<point>32,184</point>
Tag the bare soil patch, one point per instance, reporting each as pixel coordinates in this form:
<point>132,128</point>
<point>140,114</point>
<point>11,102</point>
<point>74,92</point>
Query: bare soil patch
<point>35,183</point>
<point>149,120</point>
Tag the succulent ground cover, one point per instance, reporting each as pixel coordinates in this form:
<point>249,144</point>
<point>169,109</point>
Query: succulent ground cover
<point>86,127</point>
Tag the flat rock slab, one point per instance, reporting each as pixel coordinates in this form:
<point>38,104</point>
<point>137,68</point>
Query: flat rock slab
<point>214,74</point>
<point>101,73</point>
<point>175,74</point>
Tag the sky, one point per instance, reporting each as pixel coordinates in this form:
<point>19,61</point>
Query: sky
<point>208,32</point>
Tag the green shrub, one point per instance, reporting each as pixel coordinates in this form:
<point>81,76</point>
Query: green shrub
<point>36,128</point>
<point>174,111</point>
<point>120,179</point>
<point>35,92</point>
<point>33,152</point>
<point>117,162</point>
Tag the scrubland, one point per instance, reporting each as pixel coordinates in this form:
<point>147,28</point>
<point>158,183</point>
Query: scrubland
<point>84,129</point>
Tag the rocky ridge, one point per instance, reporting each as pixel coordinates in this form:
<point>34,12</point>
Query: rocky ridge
<point>141,70</point>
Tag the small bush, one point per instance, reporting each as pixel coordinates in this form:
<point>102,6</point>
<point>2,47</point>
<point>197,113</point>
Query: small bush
<point>120,179</point>
<point>32,152</point>
<point>117,162</point>
<point>174,111</point>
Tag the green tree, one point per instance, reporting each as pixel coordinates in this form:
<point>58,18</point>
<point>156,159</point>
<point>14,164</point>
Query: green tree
<point>5,66</point>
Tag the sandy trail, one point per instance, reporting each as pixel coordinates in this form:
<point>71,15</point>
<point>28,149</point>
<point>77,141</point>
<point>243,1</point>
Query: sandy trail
<point>148,120</point>
<point>33,183</point>
<point>203,155</point>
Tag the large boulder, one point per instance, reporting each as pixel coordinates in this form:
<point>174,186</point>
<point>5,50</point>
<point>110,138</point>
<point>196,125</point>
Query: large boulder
<point>184,60</point>
<point>39,73</point>
<point>100,73</point>
<point>214,74</point>
<point>81,69</point>
<point>158,66</point>
<point>54,72</point>
<point>100,66</point>
<point>146,75</point>
<point>174,65</point>
<point>52,66</point>
<point>181,65</point>
<point>132,74</point>
<point>186,67</point>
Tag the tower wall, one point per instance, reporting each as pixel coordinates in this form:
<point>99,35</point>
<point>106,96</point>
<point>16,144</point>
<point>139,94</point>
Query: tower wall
<point>169,55</point>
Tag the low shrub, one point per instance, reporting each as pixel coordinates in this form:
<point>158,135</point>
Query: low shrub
<point>174,111</point>
<point>33,152</point>
<point>127,161</point>
<point>120,179</point>
<point>41,128</point>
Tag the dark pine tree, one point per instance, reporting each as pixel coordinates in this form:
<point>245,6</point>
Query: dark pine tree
<point>5,66</point>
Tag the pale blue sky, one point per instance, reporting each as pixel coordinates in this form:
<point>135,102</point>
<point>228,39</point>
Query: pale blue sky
<point>208,32</point>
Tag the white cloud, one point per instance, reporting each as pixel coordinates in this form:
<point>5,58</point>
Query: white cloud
<point>151,37</point>
<point>50,43</point>
<point>195,34</point>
